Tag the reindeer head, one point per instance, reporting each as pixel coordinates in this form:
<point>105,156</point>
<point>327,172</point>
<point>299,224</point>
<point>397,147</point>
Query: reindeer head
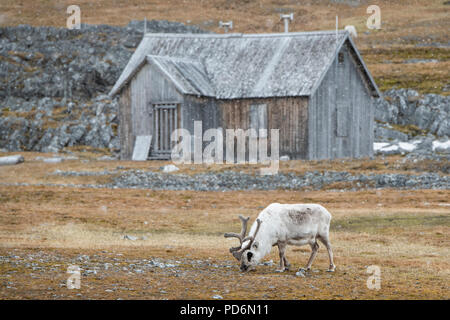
<point>247,253</point>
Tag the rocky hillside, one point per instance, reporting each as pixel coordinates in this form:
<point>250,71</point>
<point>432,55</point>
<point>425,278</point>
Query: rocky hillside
<point>55,81</point>
<point>408,122</point>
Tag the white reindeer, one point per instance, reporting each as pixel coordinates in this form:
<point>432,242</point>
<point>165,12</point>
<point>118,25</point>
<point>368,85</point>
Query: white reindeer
<point>283,224</point>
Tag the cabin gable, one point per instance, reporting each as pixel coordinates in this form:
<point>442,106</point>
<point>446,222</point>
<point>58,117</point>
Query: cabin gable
<point>341,111</point>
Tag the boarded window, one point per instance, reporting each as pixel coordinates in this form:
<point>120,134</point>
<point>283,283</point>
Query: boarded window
<point>165,121</point>
<point>258,117</point>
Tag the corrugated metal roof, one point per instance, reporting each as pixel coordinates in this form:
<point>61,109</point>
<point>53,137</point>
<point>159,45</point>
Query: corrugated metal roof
<point>244,65</point>
<point>189,76</point>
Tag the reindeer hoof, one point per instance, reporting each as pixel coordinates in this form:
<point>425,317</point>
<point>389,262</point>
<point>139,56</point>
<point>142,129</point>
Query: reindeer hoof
<point>332,269</point>
<point>280,270</point>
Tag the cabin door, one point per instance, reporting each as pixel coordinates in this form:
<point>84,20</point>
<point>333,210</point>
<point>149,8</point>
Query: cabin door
<point>165,121</point>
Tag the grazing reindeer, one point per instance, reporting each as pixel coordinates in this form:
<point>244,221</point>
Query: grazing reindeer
<point>283,224</point>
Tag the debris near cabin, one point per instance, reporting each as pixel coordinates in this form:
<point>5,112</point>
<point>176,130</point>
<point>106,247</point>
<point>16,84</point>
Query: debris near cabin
<point>11,160</point>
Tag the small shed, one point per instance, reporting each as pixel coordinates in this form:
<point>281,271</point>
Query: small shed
<point>312,86</point>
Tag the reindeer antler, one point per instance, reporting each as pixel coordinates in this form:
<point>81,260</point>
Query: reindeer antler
<point>240,236</point>
<point>251,238</point>
<point>237,251</point>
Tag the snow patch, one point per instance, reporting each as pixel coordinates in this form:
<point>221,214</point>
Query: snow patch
<point>389,148</point>
<point>441,146</point>
<point>406,146</point>
<point>379,145</point>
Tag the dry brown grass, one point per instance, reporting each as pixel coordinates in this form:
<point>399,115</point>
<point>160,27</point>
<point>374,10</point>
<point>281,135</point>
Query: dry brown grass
<point>404,232</point>
<point>405,17</point>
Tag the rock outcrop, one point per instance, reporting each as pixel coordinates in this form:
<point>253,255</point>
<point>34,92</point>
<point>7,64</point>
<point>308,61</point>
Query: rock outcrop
<point>409,123</point>
<point>54,83</point>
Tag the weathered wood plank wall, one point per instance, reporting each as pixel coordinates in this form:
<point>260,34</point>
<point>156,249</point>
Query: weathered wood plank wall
<point>289,115</point>
<point>341,114</point>
<point>139,102</point>
<point>125,129</point>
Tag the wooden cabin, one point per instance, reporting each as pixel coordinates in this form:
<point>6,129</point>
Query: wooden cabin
<point>312,86</point>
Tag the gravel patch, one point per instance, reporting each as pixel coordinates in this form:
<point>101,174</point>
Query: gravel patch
<point>232,181</point>
<point>236,181</point>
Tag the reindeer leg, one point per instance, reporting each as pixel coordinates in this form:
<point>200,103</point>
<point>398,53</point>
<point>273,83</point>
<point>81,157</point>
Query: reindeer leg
<point>314,248</point>
<point>287,265</point>
<point>327,243</point>
<point>281,251</point>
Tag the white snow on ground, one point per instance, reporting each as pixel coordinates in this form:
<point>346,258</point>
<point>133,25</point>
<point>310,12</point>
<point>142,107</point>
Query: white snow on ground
<point>411,146</point>
<point>441,145</point>
<point>379,145</point>
<point>389,148</point>
<point>408,147</point>
<point>399,146</point>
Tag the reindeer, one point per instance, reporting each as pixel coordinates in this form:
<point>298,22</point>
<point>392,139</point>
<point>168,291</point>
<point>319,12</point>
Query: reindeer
<point>283,224</point>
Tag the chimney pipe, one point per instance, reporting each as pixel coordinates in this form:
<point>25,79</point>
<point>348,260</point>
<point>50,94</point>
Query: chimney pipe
<point>226,25</point>
<point>286,18</point>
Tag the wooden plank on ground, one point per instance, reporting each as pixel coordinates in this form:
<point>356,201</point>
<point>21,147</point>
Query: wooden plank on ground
<point>141,148</point>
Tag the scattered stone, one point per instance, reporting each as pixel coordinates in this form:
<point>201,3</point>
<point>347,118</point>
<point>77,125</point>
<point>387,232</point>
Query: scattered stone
<point>169,168</point>
<point>11,160</point>
<point>53,160</point>
<point>216,296</point>
<point>128,237</point>
<point>300,273</point>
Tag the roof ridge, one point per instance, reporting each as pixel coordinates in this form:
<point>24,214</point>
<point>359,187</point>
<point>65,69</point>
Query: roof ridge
<point>244,35</point>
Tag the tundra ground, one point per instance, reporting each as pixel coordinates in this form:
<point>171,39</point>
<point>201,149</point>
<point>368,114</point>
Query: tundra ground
<point>180,251</point>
